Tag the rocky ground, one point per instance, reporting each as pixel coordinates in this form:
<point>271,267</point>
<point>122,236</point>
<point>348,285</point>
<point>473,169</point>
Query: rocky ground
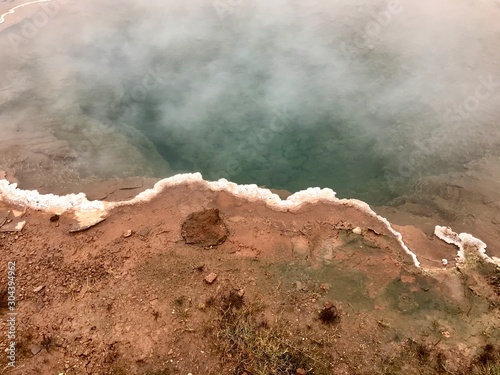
<point>202,282</point>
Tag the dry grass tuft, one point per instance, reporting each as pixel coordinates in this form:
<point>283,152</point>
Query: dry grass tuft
<point>257,347</point>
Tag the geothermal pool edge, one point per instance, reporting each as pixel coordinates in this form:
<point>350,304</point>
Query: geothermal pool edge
<point>88,213</point>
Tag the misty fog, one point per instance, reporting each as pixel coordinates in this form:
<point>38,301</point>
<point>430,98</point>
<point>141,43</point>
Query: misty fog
<point>363,97</point>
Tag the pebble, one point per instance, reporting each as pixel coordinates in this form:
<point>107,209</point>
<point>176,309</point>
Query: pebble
<point>210,278</point>
<point>38,288</point>
<point>300,286</point>
<point>325,287</point>
<point>35,349</point>
<point>127,234</point>
<point>446,334</point>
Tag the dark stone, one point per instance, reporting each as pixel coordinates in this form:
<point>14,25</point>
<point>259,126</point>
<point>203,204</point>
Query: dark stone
<point>329,314</point>
<point>205,228</point>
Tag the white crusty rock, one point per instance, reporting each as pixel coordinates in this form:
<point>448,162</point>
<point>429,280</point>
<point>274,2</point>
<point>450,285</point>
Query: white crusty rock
<point>79,203</point>
<point>47,202</point>
<point>463,240</point>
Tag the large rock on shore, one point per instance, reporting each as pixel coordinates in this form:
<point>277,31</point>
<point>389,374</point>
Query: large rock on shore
<point>205,228</point>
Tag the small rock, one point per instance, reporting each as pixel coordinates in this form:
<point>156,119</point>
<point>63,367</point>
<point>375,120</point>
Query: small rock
<point>325,287</point>
<point>301,371</point>
<point>329,314</point>
<point>444,262</point>
<point>35,349</point>
<point>210,278</point>
<point>127,234</point>
<point>54,218</point>
<point>18,213</point>
<point>357,230</point>
<point>38,288</point>
<point>300,286</point>
<point>87,221</point>
<point>240,293</point>
<point>14,225</point>
<point>205,229</point>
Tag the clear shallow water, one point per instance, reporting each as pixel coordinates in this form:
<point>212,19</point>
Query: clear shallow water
<point>286,95</point>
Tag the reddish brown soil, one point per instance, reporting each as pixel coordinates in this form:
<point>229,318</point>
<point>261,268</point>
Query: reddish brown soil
<point>103,302</point>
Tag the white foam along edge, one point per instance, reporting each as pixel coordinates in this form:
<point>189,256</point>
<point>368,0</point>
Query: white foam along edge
<point>463,240</point>
<point>79,202</point>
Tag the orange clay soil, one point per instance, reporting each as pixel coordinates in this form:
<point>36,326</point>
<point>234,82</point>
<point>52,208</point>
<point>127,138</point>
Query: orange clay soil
<point>325,290</point>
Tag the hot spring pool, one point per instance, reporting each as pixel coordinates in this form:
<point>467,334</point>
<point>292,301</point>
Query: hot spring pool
<point>363,97</point>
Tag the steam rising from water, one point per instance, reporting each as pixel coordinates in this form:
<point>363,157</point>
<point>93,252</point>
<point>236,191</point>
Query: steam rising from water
<point>363,96</point>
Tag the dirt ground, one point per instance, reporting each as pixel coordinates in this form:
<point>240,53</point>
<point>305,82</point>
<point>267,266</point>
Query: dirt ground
<point>325,290</point>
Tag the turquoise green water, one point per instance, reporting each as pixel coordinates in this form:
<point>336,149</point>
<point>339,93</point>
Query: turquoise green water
<point>286,156</point>
<point>285,97</point>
